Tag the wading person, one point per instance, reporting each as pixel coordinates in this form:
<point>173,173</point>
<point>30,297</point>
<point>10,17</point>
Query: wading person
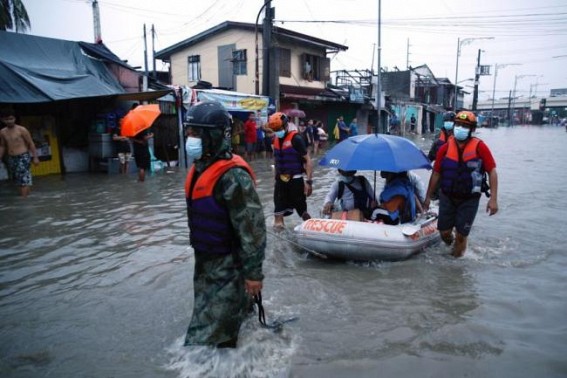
<point>122,145</point>
<point>444,135</point>
<point>227,230</point>
<point>460,167</point>
<point>291,162</point>
<point>16,140</point>
<point>142,155</point>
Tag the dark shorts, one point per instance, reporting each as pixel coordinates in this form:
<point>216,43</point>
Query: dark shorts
<point>458,213</point>
<point>250,147</point>
<point>289,196</point>
<point>268,141</point>
<point>142,156</point>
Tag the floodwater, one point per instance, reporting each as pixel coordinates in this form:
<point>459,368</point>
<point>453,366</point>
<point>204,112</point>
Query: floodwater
<point>96,281</point>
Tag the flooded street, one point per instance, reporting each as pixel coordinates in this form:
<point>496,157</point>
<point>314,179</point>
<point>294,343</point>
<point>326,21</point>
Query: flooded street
<point>96,281</point>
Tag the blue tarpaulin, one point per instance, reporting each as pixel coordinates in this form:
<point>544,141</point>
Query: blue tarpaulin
<point>37,69</point>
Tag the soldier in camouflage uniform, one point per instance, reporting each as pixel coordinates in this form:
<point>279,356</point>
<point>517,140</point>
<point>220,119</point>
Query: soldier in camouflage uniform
<point>227,226</point>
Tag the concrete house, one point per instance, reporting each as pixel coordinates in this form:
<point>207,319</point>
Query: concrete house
<point>293,70</point>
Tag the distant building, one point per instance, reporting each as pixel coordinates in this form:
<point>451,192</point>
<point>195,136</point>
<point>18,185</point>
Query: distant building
<point>230,56</point>
<point>558,92</point>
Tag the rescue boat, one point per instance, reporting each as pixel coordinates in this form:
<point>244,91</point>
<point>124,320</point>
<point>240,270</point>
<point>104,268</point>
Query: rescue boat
<point>365,240</point>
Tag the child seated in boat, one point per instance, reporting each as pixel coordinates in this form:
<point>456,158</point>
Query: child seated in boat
<point>350,192</point>
<point>399,202</point>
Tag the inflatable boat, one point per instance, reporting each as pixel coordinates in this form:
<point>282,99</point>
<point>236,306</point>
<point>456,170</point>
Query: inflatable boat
<point>365,240</point>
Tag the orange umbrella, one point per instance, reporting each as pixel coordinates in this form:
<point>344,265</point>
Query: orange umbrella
<point>139,119</point>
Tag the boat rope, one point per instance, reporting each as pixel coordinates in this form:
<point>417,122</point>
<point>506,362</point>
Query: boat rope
<point>276,325</point>
<point>315,253</point>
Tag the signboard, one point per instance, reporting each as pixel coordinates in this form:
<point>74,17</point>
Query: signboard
<point>234,101</point>
<point>484,70</point>
<point>356,94</point>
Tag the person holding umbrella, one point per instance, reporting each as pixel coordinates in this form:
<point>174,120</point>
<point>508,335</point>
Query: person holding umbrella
<point>135,124</point>
<point>460,167</point>
<point>142,155</point>
<point>227,229</point>
<point>291,162</point>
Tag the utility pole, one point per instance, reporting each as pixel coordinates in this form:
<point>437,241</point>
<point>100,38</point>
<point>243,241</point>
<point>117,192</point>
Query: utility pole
<point>462,42</point>
<point>266,43</point>
<point>476,79</point>
<point>378,74</point>
<point>270,76</point>
<point>510,122</point>
<point>373,51</point>
<point>516,77</point>
<point>496,67</point>
<point>154,53</point>
<point>96,22</point>
<point>257,59</point>
<point>407,55</point>
<point>145,78</point>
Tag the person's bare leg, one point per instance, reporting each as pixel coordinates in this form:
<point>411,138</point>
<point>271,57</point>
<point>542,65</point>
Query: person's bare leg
<point>460,245</point>
<point>141,175</point>
<point>447,236</point>
<point>278,221</point>
<point>24,191</point>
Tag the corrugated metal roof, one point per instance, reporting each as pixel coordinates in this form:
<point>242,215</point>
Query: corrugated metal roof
<point>166,53</point>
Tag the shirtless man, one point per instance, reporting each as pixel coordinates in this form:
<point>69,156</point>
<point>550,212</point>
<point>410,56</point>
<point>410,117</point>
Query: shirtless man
<point>17,141</point>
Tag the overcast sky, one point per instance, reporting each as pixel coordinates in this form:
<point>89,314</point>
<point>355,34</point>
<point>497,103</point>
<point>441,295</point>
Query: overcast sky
<point>530,36</point>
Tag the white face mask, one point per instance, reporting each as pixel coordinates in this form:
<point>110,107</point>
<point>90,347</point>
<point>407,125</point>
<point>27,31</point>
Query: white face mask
<point>194,147</point>
<point>461,133</point>
<point>280,134</point>
<point>448,125</point>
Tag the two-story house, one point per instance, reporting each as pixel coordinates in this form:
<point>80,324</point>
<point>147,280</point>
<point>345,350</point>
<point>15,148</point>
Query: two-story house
<point>417,92</point>
<point>231,56</point>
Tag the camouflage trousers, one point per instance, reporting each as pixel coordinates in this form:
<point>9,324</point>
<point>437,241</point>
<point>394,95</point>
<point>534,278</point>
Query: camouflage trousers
<point>220,302</point>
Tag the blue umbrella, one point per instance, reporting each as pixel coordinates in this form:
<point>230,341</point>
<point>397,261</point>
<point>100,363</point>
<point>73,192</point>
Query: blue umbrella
<point>376,152</point>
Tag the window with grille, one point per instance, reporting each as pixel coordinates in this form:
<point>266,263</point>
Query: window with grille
<point>239,62</point>
<point>285,62</point>
<point>194,68</point>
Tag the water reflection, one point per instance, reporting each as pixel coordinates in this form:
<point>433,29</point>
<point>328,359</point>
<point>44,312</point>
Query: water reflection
<point>96,280</point>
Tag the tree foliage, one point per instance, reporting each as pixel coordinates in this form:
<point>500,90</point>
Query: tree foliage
<point>14,16</point>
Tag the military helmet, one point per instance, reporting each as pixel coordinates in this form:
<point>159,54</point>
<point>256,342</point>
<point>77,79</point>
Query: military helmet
<point>277,121</point>
<point>208,115</point>
<point>449,116</point>
<point>466,118</point>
